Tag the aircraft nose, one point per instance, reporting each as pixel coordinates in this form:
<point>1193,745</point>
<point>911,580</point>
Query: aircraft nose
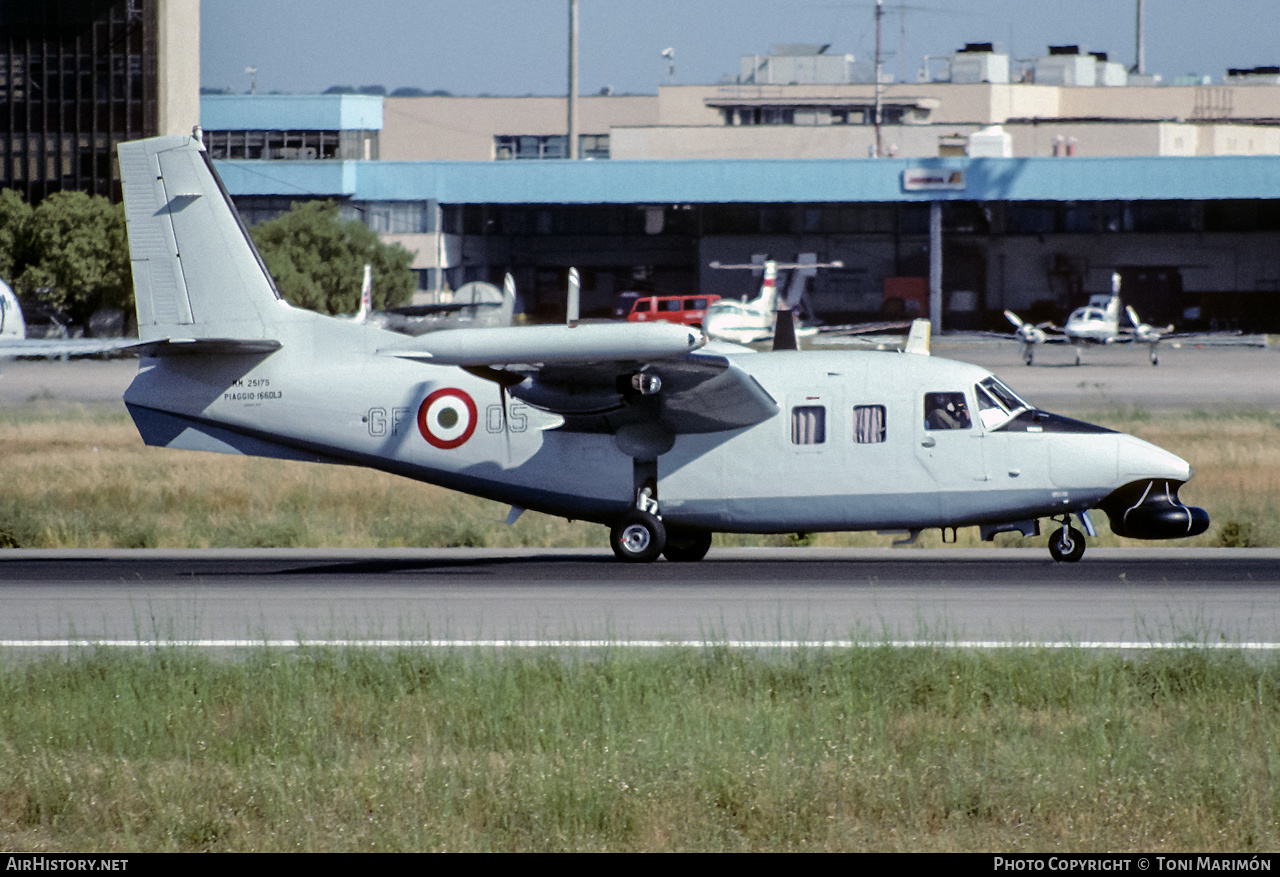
<point>1139,459</point>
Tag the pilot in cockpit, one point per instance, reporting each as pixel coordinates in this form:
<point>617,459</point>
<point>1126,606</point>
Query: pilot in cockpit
<point>946,411</point>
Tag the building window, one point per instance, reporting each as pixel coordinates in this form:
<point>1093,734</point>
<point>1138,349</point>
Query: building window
<point>509,146</point>
<point>766,116</point>
<point>593,146</point>
<point>288,145</point>
<point>397,217</point>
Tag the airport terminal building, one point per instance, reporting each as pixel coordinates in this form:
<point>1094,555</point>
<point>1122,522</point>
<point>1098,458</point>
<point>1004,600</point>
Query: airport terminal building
<point>1196,238</point>
<point>1035,180</point>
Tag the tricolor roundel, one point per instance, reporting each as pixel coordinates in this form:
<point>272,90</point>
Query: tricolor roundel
<point>447,418</point>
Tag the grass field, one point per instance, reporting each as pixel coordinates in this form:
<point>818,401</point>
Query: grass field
<point>868,749</point>
<point>872,748</point>
<point>80,477</point>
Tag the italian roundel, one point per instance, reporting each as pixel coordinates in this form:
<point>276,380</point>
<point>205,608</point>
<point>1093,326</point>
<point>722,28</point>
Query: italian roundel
<point>447,418</point>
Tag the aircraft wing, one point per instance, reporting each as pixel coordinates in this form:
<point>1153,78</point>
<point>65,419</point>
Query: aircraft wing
<point>864,328</point>
<point>547,345</point>
<point>603,377</point>
<point>433,310</point>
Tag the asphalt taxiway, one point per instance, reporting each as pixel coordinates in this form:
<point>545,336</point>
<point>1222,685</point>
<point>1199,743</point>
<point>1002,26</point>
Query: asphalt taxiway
<point>1129,596</point>
<point>1137,597</point>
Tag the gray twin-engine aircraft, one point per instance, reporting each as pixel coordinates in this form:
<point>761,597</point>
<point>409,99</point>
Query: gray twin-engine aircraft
<point>645,428</point>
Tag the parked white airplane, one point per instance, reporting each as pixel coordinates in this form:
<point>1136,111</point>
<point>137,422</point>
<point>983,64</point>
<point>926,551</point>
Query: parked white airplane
<point>12,325</point>
<point>745,321</point>
<point>756,319</point>
<point>14,341</point>
<point>642,427</point>
<point>476,304</point>
<point>1098,322</point>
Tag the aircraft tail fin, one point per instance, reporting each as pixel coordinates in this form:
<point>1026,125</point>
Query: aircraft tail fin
<point>196,272</point>
<point>784,331</point>
<point>507,313</point>
<point>918,338</point>
<point>769,287</point>
<point>366,295</point>
<point>12,324</point>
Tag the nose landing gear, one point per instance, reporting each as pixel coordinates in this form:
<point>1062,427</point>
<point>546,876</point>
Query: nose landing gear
<point>1066,545</point>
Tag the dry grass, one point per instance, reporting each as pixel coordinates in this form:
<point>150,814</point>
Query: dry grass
<point>81,477</point>
<point>85,479</point>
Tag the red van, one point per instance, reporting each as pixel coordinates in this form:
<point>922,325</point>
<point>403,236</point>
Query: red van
<point>687,310</point>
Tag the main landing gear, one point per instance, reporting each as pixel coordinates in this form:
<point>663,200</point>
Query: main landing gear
<point>638,538</point>
<point>641,536</point>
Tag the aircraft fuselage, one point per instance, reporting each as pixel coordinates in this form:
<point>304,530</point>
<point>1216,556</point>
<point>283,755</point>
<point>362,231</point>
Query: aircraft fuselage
<point>852,446</point>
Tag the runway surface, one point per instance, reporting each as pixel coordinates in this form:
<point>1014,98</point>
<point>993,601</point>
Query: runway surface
<point>762,596</point>
<point>748,595</point>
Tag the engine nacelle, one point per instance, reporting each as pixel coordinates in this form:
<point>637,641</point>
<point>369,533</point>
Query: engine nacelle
<point>1152,510</point>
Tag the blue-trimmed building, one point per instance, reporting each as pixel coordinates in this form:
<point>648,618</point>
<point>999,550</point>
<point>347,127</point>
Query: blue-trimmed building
<point>1195,238</point>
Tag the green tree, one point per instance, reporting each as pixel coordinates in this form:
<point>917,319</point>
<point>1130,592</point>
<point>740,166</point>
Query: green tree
<point>15,214</point>
<point>75,255</point>
<point>318,259</point>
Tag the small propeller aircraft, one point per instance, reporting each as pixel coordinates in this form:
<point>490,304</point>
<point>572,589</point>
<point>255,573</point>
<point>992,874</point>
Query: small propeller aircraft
<point>475,305</point>
<point>1098,322</point>
<point>14,341</point>
<point>645,428</point>
<point>753,320</point>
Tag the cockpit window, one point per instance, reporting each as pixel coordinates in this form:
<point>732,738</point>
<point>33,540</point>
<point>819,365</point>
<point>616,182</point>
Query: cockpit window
<point>997,404</point>
<point>1009,399</point>
<point>946,411</point>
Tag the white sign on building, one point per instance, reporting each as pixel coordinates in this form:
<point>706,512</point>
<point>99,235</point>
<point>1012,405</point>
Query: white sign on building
<point>921,179</point>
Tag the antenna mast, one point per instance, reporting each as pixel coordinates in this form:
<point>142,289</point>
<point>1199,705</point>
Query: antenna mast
<point>879,16</point>
<point>572,151</point>
<point>1139,51</point>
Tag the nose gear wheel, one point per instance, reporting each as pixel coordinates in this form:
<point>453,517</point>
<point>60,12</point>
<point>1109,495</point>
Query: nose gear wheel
<point>1066,545</point>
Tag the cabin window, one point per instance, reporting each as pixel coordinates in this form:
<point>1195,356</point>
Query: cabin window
<point>696,304</point>
<point>808,425</point>
<point>868,424</point>
<point>946,411</point>
<point>669,304</point>
<point>642,306</point>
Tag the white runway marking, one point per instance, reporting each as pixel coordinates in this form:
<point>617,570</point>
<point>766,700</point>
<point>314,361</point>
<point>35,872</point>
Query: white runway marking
<point>631,644</point>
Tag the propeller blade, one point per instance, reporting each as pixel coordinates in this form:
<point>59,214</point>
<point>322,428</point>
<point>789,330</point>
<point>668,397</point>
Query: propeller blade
<point>572,308</point>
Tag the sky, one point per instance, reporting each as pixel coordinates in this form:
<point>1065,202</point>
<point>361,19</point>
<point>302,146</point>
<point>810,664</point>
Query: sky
<point>518,47</point>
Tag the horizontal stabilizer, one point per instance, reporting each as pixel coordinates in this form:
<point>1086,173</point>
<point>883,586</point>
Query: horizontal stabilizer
<point>208,347</point>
